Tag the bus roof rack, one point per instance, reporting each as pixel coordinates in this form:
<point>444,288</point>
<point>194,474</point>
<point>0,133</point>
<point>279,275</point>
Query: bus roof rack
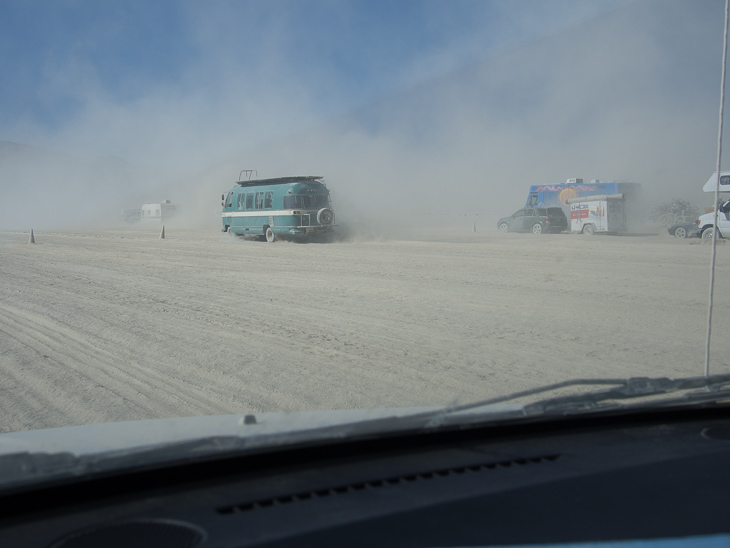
<point>248,173</point>
<point>280,180</point>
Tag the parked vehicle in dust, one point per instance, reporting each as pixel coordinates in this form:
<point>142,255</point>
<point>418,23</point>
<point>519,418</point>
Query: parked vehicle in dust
<point>593,214</point>
<point>711,183</point>
<point>706,222</point>
<point>295,207</point>
<point>158,212</point>
<point>683,230</point>
<point>537,220</point>
<point>558,195</point>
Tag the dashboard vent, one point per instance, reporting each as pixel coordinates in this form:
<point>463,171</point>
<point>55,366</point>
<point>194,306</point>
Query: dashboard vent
<point>384,482</point>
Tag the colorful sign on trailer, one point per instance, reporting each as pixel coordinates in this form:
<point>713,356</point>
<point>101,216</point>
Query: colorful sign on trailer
<point>295,207</point>
<point>558,195</point>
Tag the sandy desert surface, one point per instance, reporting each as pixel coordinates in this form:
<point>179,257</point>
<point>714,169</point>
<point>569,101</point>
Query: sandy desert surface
<point>112,325</point>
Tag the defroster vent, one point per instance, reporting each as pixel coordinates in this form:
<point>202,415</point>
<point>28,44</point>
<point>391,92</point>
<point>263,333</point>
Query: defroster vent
<point>381,483</point>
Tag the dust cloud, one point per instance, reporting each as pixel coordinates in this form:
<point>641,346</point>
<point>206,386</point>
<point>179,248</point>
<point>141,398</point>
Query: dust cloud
<point>629,95</point>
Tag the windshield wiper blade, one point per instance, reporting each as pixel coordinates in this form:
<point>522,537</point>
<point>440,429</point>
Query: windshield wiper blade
<point>706,389</point>
<point>679,391</point>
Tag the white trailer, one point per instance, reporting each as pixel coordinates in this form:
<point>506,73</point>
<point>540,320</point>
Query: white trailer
<point>158,212</point>
<point>603,213</point>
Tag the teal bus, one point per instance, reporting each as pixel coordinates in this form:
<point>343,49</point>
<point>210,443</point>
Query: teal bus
<point>289,207</point>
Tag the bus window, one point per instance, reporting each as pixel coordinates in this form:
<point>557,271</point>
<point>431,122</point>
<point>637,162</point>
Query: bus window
<point>229,199</point>
<point>304,201</point>
<point>288,203</point>
<point>268,200</point>
<point>315,200</point>
<point>259,200</point>
<point>249,200</point>
<point>241,201</point>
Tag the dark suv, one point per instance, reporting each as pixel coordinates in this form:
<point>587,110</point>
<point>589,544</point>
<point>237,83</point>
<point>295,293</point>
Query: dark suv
<point>534,219</point>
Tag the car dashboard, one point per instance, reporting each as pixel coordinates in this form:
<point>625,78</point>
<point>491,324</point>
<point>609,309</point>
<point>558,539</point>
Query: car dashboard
<point>654,476</point>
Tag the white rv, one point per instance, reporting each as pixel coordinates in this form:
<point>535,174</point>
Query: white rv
<point>712,182</point>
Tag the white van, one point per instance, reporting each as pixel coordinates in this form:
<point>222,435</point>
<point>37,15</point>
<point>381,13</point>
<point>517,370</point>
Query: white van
<point>706,222</point>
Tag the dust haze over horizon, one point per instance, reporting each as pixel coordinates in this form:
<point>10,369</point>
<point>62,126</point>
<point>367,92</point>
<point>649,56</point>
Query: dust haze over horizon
<point>404,107</point>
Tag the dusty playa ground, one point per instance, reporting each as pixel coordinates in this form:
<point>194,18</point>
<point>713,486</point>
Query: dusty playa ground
<point>99,326</point>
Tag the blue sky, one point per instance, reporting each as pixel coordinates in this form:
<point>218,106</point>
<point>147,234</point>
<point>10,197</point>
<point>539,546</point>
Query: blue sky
<point>62,61</point>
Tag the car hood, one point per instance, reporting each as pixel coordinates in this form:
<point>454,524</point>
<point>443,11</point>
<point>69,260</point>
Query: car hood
<point>708,218</point>
<point>130,435</point>
<point>31,457</point>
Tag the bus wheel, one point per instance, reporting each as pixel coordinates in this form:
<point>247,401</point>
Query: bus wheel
<point>270,236</point>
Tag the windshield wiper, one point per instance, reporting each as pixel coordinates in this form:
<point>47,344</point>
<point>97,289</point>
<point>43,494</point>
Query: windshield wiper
<point>693,390</point>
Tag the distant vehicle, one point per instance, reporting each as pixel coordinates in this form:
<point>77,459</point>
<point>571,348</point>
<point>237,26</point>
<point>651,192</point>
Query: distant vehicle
<point>296,207</point>
<point>593,214</point>
<point>534,219</point>
<point>712,182</point>
<point>159,212</point>
<point>684,230</point>
<point>558,195</point>
<point>706,222</point>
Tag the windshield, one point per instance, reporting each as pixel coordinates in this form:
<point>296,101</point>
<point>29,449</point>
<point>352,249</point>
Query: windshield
<point>139,281</point>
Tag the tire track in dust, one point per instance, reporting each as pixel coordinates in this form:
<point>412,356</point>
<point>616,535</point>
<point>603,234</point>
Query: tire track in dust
<point>224,391</point>
<point>146,394</point>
